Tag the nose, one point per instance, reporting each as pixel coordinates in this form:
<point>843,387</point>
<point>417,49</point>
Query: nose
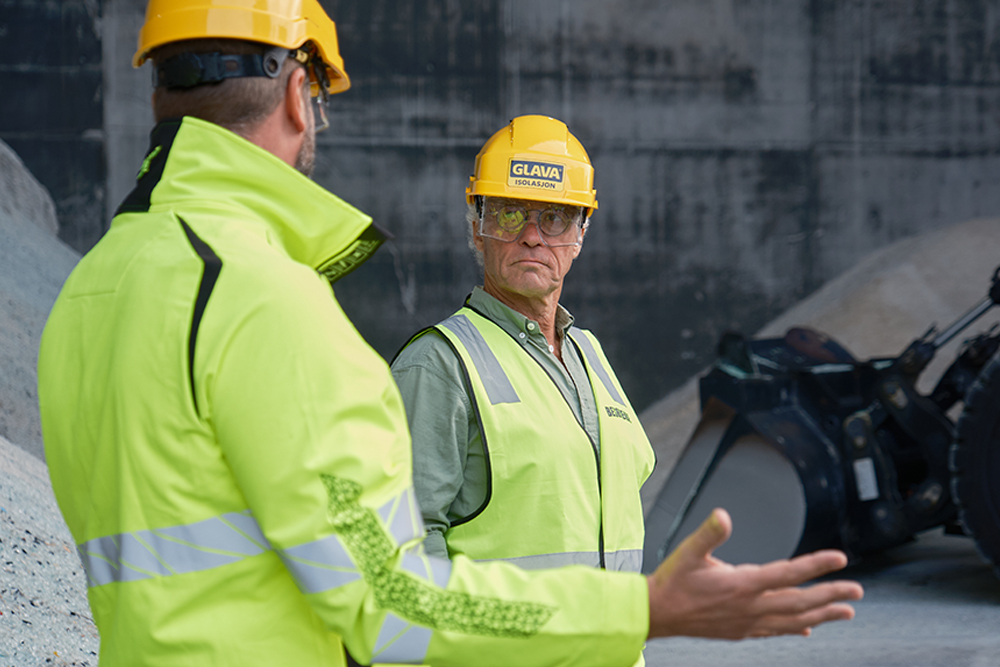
<point>531,235</point>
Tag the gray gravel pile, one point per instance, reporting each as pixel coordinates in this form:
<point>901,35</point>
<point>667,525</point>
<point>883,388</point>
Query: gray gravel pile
<point>44,616</point>
<point>34,264</point>
<point>43,601</point>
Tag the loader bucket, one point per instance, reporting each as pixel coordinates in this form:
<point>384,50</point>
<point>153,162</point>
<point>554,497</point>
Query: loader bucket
<point>771,470</point>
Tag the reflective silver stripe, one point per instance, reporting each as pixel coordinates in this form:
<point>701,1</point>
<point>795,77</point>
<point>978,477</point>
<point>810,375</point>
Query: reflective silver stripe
<point>435,570</point>
<point>543,561</point>
<point>625,560</point>
<point>498,386</point>
<point>399,641</point>
<point>628,560</point>
<point>595,361</point>
<point>162,552</point>
<point>316,566</point>
<point>402,516</point>
<point>320,566</point>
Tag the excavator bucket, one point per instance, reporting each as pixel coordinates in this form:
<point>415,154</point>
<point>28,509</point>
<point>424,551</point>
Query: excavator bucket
<point>808,447</point>
<point>770,470</point>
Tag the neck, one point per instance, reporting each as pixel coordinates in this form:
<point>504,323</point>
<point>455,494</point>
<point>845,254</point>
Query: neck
<point>542,309</point>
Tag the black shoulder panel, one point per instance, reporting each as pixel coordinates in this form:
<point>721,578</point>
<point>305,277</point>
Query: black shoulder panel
<point>160,141</point>
<point>213,265</point>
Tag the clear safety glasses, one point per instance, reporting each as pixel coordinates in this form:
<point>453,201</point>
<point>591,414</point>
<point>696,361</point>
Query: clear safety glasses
<point>319,82</point>
<point>504,220</point>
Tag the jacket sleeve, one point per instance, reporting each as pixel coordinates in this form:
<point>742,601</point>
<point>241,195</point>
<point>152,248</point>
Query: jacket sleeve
<point>311,424</point>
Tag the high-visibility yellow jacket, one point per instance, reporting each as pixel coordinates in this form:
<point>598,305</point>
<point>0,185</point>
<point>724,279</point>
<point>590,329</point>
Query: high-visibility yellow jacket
<point>233,461</point>
<point>553,499</point>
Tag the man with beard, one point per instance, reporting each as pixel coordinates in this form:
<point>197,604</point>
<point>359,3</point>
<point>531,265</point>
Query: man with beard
<point>230,456</point>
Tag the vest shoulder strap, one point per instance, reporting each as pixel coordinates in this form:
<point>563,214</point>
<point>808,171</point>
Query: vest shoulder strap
<point>589,350</point>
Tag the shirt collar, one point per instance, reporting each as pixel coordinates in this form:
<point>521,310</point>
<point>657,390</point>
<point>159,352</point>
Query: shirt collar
<point>512,321</point>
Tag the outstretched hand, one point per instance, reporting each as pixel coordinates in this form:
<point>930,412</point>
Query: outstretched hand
<point>692,593</point>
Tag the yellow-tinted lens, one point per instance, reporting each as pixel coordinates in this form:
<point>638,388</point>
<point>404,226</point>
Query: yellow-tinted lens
<point>511,218</point>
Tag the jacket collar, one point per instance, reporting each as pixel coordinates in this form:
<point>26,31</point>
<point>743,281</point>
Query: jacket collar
<point>202,165</point>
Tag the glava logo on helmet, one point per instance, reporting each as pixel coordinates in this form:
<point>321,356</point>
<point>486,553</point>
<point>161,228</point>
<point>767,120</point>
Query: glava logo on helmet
<point>529,174</point>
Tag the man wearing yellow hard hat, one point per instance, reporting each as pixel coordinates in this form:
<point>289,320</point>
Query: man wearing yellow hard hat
<point>525,447</point>
<point>233,460</point>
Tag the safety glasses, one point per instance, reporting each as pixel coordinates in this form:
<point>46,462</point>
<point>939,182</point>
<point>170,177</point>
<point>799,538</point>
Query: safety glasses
<point>319,83</point>
<point>505,220</point>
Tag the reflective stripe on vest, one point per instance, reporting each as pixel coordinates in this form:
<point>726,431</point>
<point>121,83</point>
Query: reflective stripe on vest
<point>229,538</point>
<point>624,560</point>
<point>498,387</point>
<point>595,361</point>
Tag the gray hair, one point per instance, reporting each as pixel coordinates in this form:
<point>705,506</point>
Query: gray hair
<point>472,219</point>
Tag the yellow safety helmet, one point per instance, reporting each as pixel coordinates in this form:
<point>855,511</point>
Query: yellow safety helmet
<point>285,23</point>
<point>535,157</point>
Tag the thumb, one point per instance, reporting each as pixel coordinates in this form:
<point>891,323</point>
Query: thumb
<point>711,534</point>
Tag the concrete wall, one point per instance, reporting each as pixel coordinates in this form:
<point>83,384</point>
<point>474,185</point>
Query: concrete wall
<point>747,151</point>
<point>51,102</point>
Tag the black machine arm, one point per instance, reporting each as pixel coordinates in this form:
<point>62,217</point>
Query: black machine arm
<point>920,352</point>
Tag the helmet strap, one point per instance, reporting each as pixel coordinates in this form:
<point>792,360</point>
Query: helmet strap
<point>187,70</point>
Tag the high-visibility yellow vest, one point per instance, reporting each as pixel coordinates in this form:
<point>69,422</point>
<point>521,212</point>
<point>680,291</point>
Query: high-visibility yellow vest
<point>553,500</point>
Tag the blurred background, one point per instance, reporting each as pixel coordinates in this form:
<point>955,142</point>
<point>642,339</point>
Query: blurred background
<point>746,151</point>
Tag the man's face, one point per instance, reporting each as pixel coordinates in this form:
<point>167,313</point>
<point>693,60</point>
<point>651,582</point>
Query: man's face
<point>526,267</point>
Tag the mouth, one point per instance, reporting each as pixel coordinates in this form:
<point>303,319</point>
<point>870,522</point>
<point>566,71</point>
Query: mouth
<point>531,260</point>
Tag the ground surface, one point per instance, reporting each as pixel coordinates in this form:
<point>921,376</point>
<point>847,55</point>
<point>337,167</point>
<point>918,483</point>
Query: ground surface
<point>44,617</point>
<point>930,603</point>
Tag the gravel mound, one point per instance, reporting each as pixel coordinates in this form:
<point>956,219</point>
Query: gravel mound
<point>34,263</point>
<point>44,616</point>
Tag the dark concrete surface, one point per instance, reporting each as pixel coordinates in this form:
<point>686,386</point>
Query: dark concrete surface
<point>747,151</point>
<point>930,603</point>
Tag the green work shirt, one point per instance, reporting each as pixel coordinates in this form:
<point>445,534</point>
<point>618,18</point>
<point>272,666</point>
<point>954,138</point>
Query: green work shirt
<point>449,467</point>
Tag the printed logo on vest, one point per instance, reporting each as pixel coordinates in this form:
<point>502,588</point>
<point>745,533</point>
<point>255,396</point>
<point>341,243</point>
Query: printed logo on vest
<point>540,175</point>
<point>617,412</point>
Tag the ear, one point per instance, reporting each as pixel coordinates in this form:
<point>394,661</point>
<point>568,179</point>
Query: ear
<point>477,240</point>
<point>296,105</point>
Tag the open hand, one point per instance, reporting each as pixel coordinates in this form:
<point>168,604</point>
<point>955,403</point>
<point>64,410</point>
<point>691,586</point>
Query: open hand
<point>692,593</point>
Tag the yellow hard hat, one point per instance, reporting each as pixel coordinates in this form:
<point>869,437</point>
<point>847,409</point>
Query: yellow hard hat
<point>535,157</point>
<point>286,23</point>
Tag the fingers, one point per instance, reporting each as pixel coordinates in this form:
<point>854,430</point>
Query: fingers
<point>784,573</point>
<point>800,624</point>
<point>793,601</point>
<point>695,594</point>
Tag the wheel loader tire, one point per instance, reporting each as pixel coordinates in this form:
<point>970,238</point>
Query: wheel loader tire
<point>975,463</point>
